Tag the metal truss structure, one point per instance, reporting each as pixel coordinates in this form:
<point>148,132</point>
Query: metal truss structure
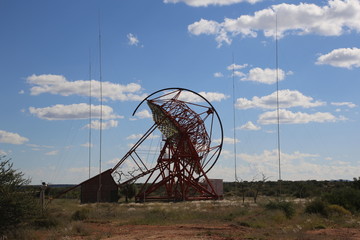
<point>188,151</point>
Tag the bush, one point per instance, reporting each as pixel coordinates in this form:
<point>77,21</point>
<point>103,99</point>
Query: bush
<point>317,206</point>
<point>128,191</point>
<point>80,215</point>
<point>17,204</point>
<point>45,221</point>
<point>321,207</point>
<point>336,210</point>
<point>356,183</point>
<point>287,208</point>
<point>349,198</point>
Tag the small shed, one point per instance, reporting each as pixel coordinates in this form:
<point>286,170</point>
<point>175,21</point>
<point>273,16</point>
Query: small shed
<point>100,188</point>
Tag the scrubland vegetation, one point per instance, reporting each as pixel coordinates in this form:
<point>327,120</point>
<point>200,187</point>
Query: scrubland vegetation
<point>267,219</point>
<point>241,215</point>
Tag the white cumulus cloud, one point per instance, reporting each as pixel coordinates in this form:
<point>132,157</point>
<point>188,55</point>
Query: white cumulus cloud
<point>218,74</point>
<point>227,140</point>
<point>95,124</point>
<point>143,114</point>
<point>235,66</point>
<point>205,3</point>
<point>331,19</point>
<point>52,153</point>
<point>249,126</point>
<point>73,111</point>
<point>210,96</point>
<point>288,117</point>
<point>87,145</point>
<point>239,74</point>
<point>298,165</point>
<point>287,98</point>
<point>132,40</point>
<point>267,75</point>
<point>12,138</point>
<point>207,27</point>
<point>138,136</point>
<point>342,57</point>
<point>59,85</point>
<point>214,96</point>
<point>347,104</point>
<point>37,147</point>
<point>134,136</point>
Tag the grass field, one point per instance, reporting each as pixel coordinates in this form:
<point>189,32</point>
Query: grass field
<point>225,219</point>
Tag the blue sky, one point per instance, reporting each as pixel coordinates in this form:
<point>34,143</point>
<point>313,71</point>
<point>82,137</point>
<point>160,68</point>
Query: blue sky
<point>47,47</point>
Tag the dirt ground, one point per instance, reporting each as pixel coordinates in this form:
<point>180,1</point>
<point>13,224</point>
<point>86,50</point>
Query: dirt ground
<point>217,232</point>
<point>176,232</point>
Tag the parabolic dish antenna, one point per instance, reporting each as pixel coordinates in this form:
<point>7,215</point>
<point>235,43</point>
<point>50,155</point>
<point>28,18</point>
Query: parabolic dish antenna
<point>192,136</point>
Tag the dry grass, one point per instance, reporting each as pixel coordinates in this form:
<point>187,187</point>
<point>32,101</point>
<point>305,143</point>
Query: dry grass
<point>97,221</point>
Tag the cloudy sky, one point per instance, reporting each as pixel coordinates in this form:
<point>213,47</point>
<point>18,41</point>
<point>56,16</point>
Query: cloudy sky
<point>223,49</point>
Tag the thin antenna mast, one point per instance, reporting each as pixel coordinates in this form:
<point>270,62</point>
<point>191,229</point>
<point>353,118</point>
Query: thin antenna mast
<point>234,118</point>
<point>277,98</point>
<point>89,112</point>
<point>101,112</point>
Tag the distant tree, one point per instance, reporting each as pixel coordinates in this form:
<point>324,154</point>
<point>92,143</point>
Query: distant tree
<point>356,183</point>
<point>301,190</point>
<point>17,204</point>
<point>257,186</point>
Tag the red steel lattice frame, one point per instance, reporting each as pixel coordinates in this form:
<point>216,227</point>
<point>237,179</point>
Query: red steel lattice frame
<point>183,159</point>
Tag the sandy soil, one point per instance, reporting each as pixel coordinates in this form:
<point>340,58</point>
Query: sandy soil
<point>338,234</point>
<point>177,232</point>
<point>214,232</point>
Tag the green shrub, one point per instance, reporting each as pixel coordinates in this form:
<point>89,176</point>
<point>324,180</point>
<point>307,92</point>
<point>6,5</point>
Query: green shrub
<point>349,198</point>
<point>320,226</point>
<point>128,191</point>
<point>356,183</point>
<point>336,210</point>
<point>287,208</point>
<point>80,215</point>
<point>17,204</point>
<point>317,206</point>
<point>45,221</point>
<point>229,217</point>
<point>321,207</point>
